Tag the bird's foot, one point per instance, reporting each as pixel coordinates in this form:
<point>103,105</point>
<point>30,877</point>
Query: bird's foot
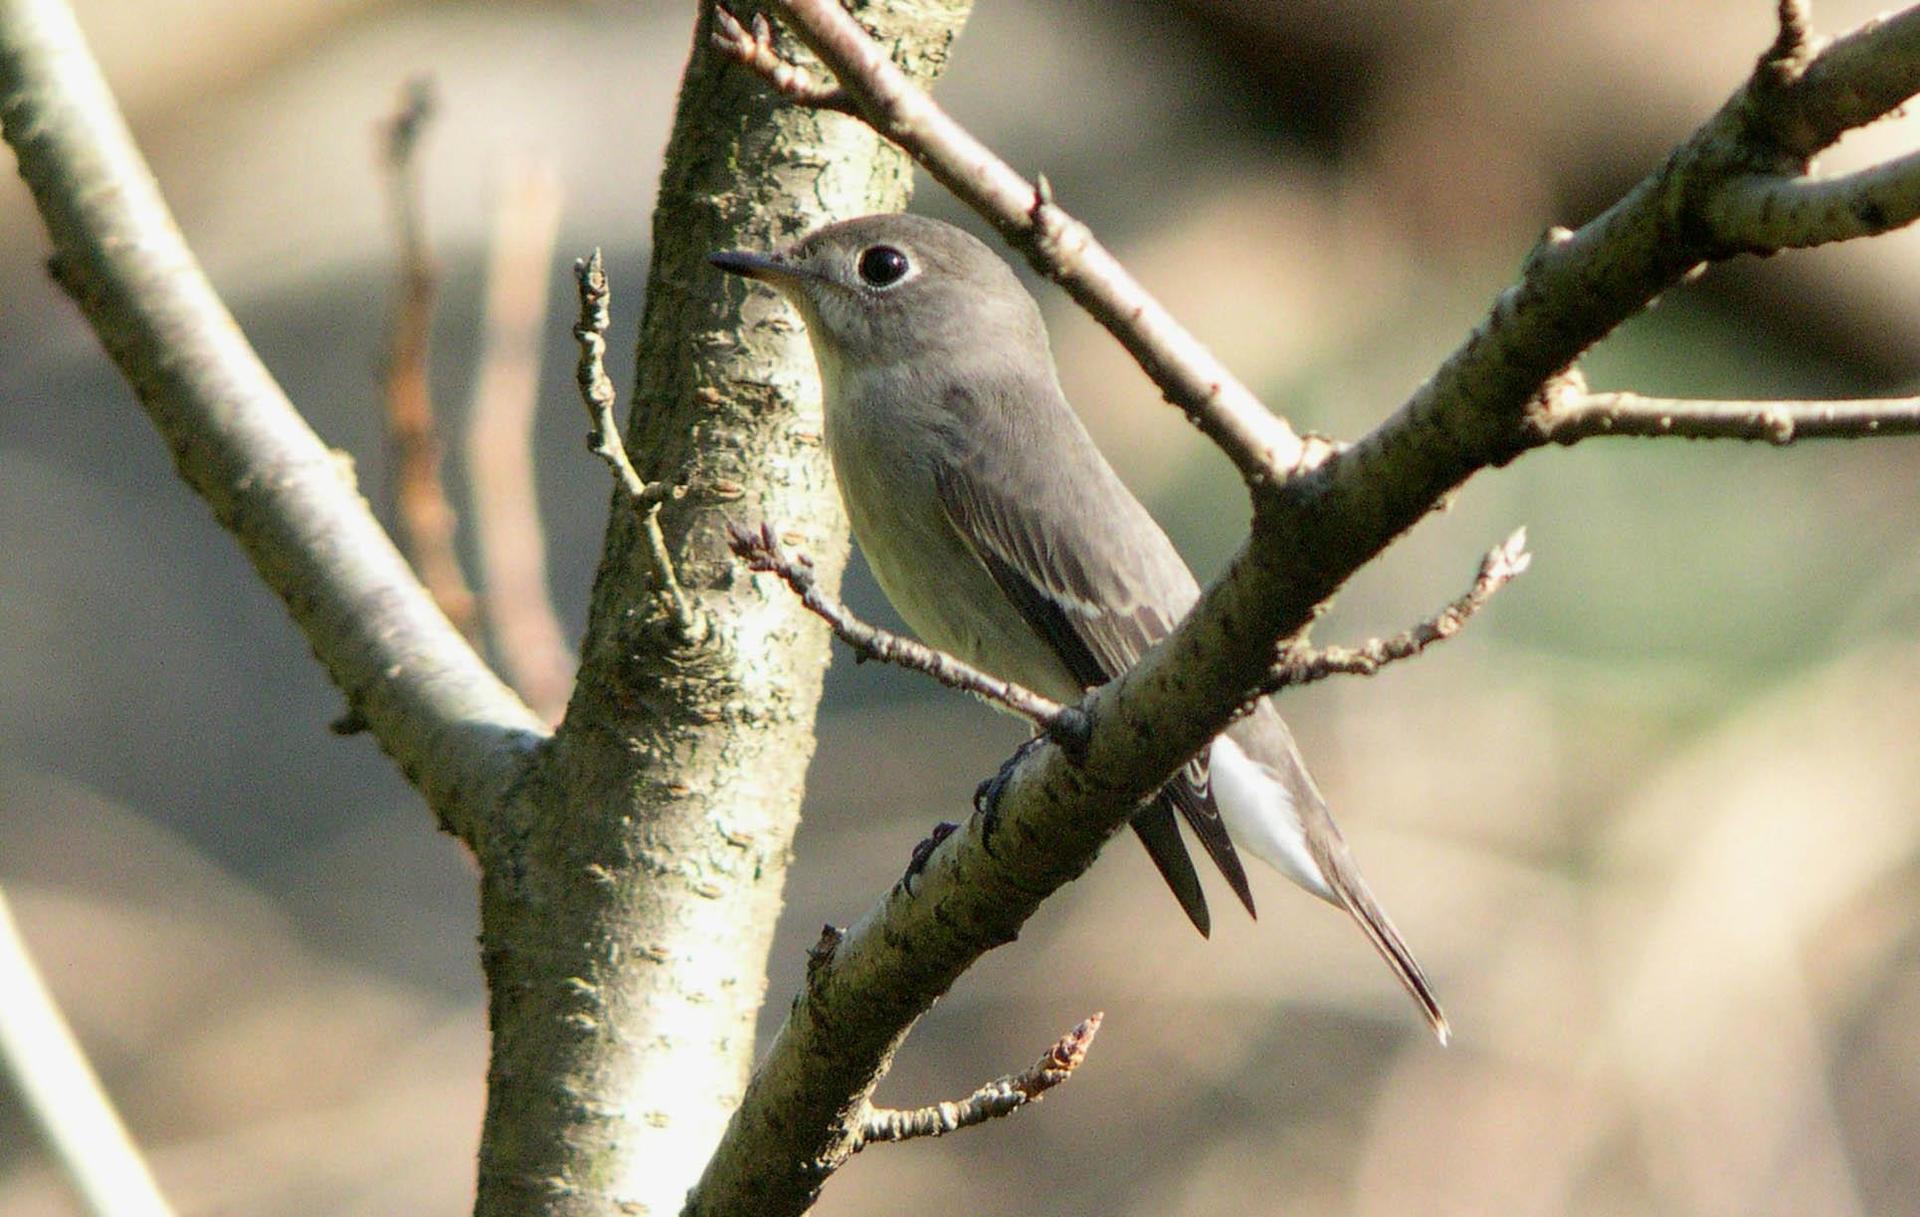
<point>986,796</point>
<point>917,862</point>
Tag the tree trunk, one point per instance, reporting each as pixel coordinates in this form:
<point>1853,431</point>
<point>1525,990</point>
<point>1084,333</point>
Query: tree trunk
<point>632,887</point>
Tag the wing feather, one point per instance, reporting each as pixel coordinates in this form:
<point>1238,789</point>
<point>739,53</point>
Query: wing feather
<point>1101,583</point>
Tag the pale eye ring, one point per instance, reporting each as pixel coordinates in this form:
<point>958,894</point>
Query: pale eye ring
<point>882,266</point>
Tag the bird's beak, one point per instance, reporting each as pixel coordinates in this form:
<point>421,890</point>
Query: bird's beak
<point>767,269</point>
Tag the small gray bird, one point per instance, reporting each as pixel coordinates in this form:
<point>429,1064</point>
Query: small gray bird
<point>1002,536</point>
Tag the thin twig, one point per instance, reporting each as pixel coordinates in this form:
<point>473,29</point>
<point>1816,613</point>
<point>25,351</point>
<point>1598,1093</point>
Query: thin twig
<point>1260,443</point>
<point>423,517</point>
<point>506,510</point>
<point>753,49</point>
<point>1571,417</point>
<point>761,550</point>
<point>1000,1097</point>
<point>1304,665</point>
<point>605,442</point>
<point>61,1093</point>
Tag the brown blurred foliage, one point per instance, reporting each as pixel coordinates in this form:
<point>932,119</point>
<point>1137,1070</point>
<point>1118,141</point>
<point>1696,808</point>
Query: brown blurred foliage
<point>1653,824</point>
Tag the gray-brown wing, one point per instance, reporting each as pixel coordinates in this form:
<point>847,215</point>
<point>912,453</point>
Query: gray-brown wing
<point>1092,573</point>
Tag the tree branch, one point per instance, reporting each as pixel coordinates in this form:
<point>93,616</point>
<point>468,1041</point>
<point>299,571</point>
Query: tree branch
<point>455,730</point>
<point>1829,90</point>
<point>1571,417</point>
<point>422,515</point>
<point>753,49</point>
<point>1768,212</point>
<point>605,442</point>
<point>1302,665</point>
<point>1000,1097</point>
<point>1311,531</point>
<point>62,1094</point>
<point>519,612</point>
<point>1261,444</point>
<point>761,550</point>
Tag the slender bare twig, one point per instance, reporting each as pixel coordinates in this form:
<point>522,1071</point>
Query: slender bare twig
<point>761,550</point>
<point>1572,417</point>
<point>423,517</point>
<point>1000,1097</point>
<point>605,442</point>
<point>290,503</point>
<point>1260,443</point>
<point>506,512</point>
<point>754,49</point>
<point>61,1093</point>
<point>1302,665</point>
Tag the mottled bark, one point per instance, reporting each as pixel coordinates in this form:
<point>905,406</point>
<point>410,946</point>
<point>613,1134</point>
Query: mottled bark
<point>632,890</point>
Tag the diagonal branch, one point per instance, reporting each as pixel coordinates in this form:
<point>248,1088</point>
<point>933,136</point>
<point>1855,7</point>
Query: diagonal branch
<point>456,731</point>
<point>1261,444</point>
<point>762,551</point>
<point>1000,1097</point>
<point>61,1093</point>
<point>1302,665</point>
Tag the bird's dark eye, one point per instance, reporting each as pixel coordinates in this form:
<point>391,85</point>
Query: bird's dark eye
<point>882,266</point>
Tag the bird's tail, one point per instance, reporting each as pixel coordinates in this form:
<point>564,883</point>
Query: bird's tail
<point>1352,890</point>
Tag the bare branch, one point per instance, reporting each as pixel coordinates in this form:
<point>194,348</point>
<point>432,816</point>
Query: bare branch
<point>62,1094</point>
<point>1302,665</point>
<point>499,445</point>
<point>761,550</point>
<point>1001,1097</point>
<point>753,49</point>
<point>1767,212</point>
<point>459,734</point>
<point>605,442</point>
<point>1858,78</point>
<point>422,514</point>
<point>1261,444</point>
<point>1571,417</point>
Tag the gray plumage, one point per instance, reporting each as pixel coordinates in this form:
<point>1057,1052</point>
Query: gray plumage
<point>1002,536</point>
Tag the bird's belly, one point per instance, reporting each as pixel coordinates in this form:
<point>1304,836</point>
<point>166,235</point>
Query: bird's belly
<point>934,581</point>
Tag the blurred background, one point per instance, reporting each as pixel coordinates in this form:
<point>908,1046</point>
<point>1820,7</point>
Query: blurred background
<point>1652,823</point>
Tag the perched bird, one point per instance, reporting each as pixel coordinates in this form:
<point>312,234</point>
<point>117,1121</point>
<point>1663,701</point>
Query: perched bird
<point>1002,536</point>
